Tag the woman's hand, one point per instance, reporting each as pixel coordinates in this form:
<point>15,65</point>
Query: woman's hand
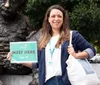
<point>9,56</point>
<point>71,51</point>
<point>25,64</point>
<point>78,55</point>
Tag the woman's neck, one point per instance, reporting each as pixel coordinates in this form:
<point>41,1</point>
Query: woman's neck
<point>55,33</point>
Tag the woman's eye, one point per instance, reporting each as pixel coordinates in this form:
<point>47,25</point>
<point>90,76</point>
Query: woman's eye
<point>59,16</point>
<point>53,16</point>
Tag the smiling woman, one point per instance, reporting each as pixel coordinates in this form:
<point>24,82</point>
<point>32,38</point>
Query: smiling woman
<point>53,49</point>
<point>56,19</point>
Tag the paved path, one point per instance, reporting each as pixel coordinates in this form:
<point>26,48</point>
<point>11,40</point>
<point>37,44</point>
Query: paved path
<point>16,79</point>
<point>25,79</point>
<point>97,69</point>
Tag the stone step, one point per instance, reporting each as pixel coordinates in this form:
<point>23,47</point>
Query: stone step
<point>96,67</point>
<point>16,79</point>
<point>25,79</point>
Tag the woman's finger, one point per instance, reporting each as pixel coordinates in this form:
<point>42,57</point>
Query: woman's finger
<point>9,56</point>
<point>71,50</point>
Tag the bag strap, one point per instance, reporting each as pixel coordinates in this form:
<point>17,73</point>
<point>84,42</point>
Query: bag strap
<point>70,41</point>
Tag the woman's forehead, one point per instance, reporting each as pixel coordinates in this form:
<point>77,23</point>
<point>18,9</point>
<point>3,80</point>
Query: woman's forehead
<point>56,11</point>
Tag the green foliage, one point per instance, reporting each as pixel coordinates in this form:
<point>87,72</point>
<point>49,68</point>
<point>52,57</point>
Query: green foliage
<point>84,15</point>
<point>86,18</point>
<point>97,45</point>
<point>35,12</point>
<point>36,9</point>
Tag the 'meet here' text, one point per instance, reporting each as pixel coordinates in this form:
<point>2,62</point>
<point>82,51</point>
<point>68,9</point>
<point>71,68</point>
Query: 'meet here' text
<point>24,52</point>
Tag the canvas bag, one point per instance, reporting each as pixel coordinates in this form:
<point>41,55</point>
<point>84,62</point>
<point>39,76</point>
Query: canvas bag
<point>80,71</point>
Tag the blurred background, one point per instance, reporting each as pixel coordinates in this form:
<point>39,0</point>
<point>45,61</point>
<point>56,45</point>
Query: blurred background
<point>84,17</point>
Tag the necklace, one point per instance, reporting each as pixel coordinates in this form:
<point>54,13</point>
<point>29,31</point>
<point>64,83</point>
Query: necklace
<point>51,49</point>
<point>52,43</point>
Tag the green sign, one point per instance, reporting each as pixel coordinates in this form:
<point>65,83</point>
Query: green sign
<point>22,52</point>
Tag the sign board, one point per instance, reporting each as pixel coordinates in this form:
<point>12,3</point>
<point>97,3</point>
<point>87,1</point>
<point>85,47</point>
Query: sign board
<point>22,52</point>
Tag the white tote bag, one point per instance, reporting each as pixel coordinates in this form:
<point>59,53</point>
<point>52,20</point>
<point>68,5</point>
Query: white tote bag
<point>80,72</point>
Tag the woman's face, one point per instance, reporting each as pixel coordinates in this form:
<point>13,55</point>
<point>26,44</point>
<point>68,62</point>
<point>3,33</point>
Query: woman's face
<point>56,19</point>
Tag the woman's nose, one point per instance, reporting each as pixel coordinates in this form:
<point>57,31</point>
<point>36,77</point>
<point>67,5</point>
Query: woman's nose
<point>56,18</point>
<point>6,4</point>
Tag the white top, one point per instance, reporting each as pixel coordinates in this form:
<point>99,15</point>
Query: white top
<point>53,61</point>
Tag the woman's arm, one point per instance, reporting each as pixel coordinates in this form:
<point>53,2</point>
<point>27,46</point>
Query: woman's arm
<point>78,55</point>
<point>81,44</point>
<point>30,65</point>
<point>27,65</point>
<point>86,50</point>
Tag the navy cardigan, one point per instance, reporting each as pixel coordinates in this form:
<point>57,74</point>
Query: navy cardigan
<point>79,43</point>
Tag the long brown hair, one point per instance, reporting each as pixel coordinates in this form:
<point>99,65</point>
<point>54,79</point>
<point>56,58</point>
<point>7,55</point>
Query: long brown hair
<point>47,31</point>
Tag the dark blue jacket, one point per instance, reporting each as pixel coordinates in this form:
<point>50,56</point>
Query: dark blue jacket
<point>79,43</point>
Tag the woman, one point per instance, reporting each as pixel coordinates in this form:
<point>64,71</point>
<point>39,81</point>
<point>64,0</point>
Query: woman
<point>53,48</point>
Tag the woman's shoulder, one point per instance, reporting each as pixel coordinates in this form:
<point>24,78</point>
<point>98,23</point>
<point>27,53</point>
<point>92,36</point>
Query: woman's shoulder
<point>76,36</point>
<point>75,33</point>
